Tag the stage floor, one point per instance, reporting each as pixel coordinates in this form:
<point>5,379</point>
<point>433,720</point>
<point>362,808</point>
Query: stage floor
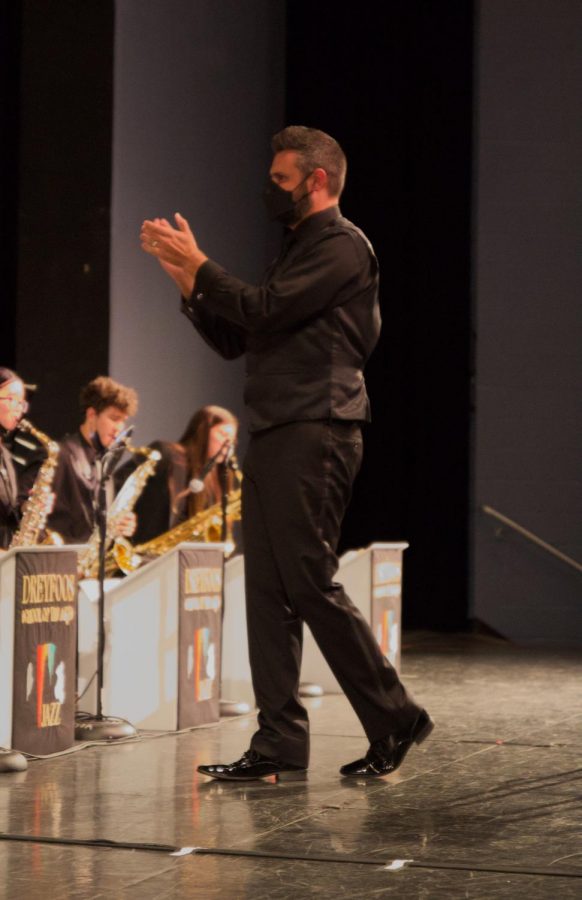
<point>490,806</point>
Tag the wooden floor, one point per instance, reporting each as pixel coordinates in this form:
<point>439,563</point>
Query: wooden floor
<point>490,806</point>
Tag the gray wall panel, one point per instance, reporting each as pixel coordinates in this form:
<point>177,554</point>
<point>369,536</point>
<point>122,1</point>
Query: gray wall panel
<point>198,92</point>
<point>528,425</point>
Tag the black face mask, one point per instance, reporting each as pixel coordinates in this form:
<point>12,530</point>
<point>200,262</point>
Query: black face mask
<point>280,205</point>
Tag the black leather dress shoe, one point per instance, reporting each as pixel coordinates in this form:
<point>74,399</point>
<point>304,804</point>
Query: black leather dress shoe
<point>250,766</point>
<point>384,756</point>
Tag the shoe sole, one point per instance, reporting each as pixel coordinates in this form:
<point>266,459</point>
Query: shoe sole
<point>294,775</point>
<point>298,774</point>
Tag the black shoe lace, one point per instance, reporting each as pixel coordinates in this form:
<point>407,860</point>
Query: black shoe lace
<point>251,756</point>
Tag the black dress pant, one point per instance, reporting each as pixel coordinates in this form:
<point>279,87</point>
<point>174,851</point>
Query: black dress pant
<point>297,484</point>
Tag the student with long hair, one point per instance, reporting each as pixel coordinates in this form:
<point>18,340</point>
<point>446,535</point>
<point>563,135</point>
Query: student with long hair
<point>166,499</point>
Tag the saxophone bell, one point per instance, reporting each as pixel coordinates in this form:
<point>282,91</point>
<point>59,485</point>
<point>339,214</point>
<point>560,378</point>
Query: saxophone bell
<point>123,554</point>
<point>52,538</point>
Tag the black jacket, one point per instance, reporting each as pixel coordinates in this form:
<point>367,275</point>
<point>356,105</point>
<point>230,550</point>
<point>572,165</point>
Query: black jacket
<point>75,486</point>
<point>307,330</point>
<point>9,508</point>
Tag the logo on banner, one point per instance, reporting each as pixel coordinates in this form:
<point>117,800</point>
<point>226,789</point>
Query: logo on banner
<point>387,571</point>
<point>48,598</point>
<point>206,585</point>
<point>49,680</point>
<point>387,634</point>
<point>202,664</point>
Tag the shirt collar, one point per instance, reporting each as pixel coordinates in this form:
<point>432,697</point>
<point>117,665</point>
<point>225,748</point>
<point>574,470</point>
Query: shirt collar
<point>88,446</point>
<point>314,223</point>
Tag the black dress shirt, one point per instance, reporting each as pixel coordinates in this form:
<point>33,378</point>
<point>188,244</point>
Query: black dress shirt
<point>9,515</point>
<point>307,330</point>
<point>75,486</point>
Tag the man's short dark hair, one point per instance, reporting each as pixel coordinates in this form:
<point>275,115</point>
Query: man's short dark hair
<point>316,150</point>
<point>103,392</point>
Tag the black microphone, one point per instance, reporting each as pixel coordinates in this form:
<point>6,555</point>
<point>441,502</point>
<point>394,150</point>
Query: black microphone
<point>111,455</point>
<point>197,484</point>
<point>121,440</point>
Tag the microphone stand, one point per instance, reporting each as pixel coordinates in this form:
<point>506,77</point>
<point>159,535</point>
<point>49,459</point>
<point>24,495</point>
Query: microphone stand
<point>223,482</point>
<point>100,727</point>
<point>227,707</point>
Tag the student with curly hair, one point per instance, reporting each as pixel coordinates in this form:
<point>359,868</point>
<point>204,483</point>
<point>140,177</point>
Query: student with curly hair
<point>106,406</point>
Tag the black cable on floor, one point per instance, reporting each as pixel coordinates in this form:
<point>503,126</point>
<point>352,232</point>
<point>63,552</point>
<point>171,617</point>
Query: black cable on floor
<point>80,842</point>
<point>141,736</point>
<point>393,864</point>
<point>86,688</point>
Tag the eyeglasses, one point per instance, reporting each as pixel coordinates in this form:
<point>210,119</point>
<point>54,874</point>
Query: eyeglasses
<point>16,402</point>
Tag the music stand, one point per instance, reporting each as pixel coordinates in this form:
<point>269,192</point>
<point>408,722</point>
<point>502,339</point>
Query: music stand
<point>99,727</point>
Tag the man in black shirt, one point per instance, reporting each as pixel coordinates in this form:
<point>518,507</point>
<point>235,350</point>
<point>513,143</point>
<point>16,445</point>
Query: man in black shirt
<point>105,407</point>
<point>307,331</point>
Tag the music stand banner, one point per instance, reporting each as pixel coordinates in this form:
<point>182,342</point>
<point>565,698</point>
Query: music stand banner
<point>386,610</point>
<point>45,642</point>
<point>201,585</point>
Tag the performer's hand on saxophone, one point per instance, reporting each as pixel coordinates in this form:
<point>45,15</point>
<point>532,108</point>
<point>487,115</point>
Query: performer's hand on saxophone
<point>125,525</point>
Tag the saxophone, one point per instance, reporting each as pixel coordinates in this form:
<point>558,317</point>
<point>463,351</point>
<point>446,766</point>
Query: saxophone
<point>205,526</point>
<point>35,511</point>
<point>123,503</point>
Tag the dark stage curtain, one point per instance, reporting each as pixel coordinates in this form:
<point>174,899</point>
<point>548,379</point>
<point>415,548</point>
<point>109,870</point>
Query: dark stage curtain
<point>393,83</point>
